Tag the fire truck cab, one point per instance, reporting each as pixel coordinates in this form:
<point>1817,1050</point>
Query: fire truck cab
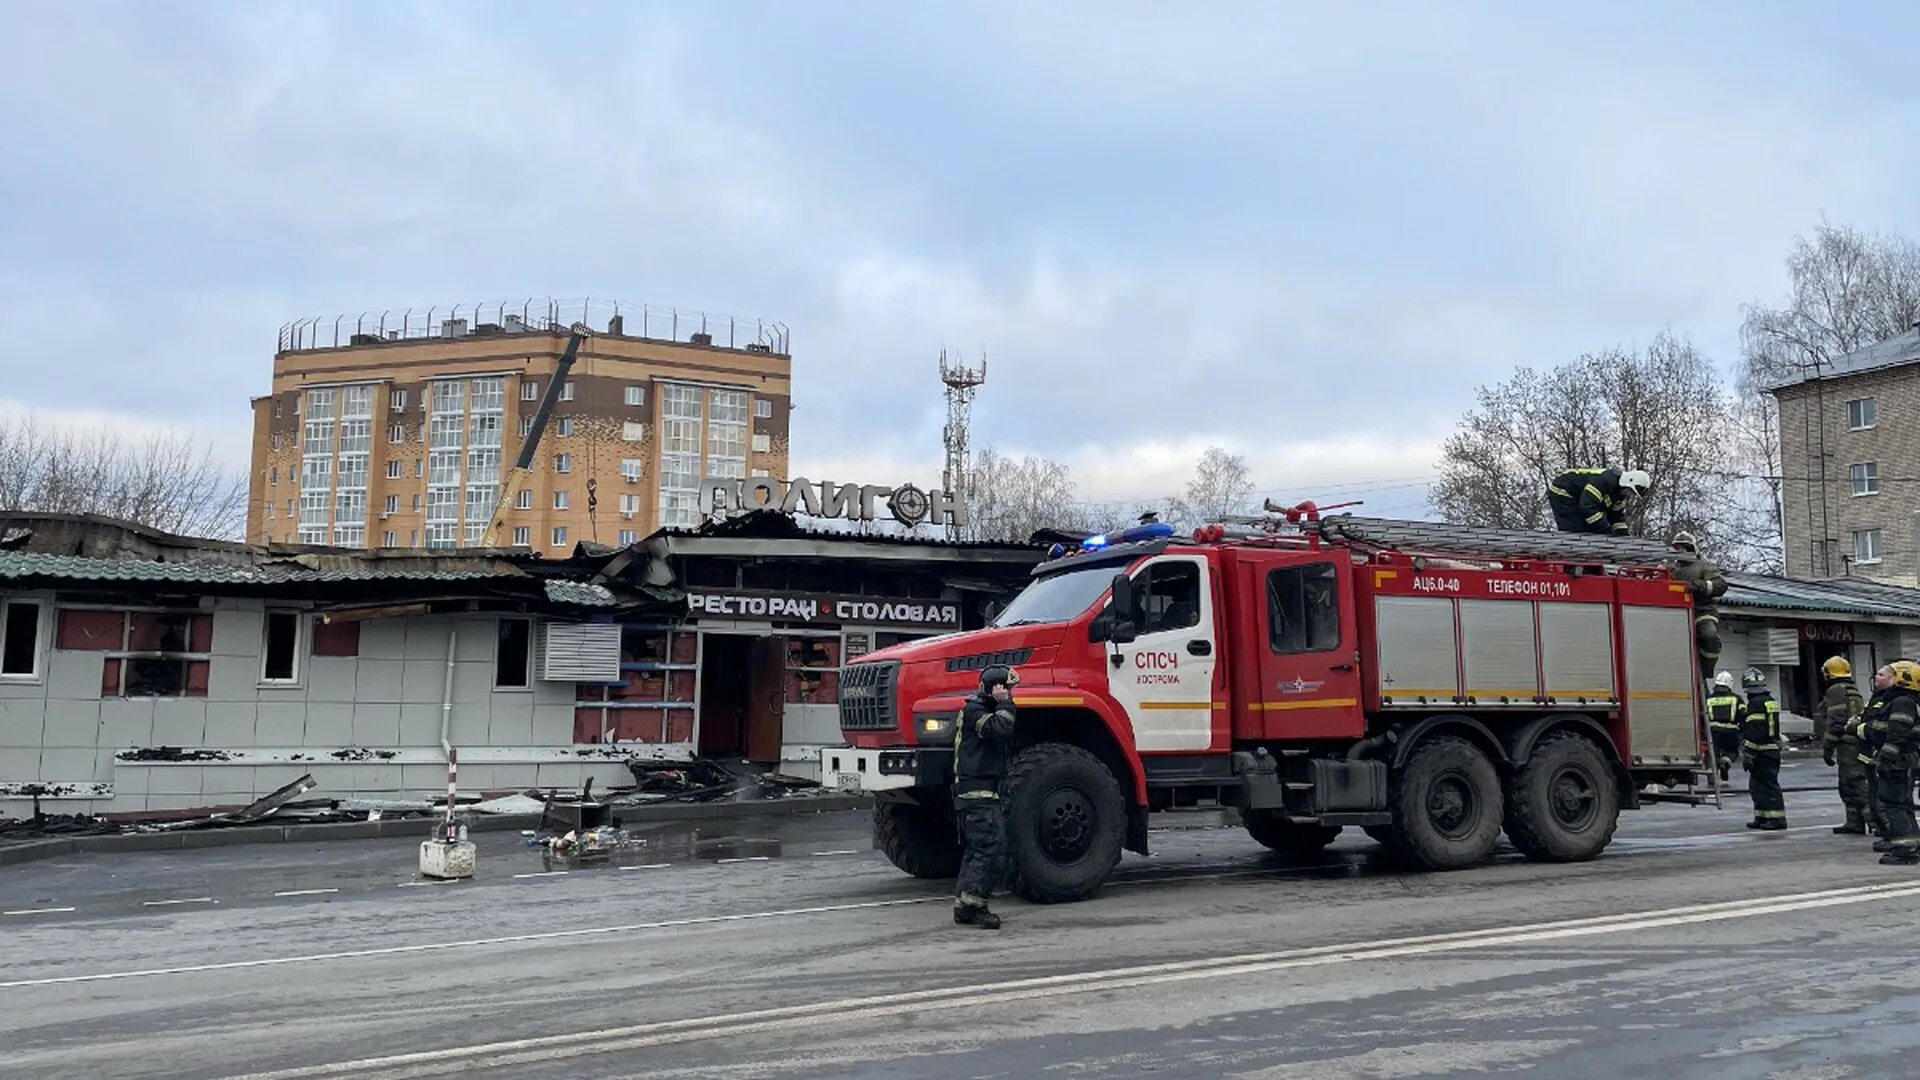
<point>1305,676</point>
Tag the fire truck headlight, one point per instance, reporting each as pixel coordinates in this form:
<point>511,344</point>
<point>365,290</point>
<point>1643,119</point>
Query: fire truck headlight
<point>932,730</point>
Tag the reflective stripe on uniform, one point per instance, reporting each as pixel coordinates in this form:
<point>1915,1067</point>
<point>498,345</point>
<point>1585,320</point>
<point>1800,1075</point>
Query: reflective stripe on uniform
<point>978,795</point>
<point>1760,748</point>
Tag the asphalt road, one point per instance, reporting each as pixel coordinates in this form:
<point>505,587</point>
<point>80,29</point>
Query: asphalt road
<point>1693,948</point>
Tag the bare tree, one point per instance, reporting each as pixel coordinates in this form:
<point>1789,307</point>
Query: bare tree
<point>1848,290</point>
<point>168,481</point>
<point>1220,486</point>
<point>1661,409</point>
<point>1014,499</point>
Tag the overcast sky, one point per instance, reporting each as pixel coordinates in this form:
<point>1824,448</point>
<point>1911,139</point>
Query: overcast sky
<point>1302,234</point>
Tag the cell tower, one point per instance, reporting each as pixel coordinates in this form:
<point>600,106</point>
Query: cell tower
<point>962,383</point>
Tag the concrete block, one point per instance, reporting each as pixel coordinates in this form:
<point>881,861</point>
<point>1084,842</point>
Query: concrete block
<point>175,780</point>
<point>331,678</point>
<point>383,639</point>
<point>126,722</point>
<point>74,676</point>
<point>380,682</point>
<point>512,721</point>
<point>376,725</point>
<point>130,779</point>
<point>552,725</point>
<point>426,639</point>
<point>381,779</point>
<point>329,725</point>
<point>280,725</point>
<point>180,722</point>
<point>515,777</point>
<point>234,678</point>
<point>447,860</point>
<point>72,724</point>
<point>478,640</point>
<point>423,680</point>
<point>419,725</point>
<point>472,684</point>
<point>470,725</point>
<point>20,763</point>
<point>23,723</point>
<point>231,723</point>
<point>237,632</point>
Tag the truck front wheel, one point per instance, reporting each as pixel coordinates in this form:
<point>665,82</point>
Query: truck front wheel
<point>1293,839</point>
<point>918,837</point>
<point>1066,820</point>
<point>1563,804</point>
<point>1446,805</point>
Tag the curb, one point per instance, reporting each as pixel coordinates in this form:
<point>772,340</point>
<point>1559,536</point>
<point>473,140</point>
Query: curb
<point>233,836</point>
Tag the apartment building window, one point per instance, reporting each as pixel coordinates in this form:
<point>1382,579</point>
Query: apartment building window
<point>394,469</point>
<point>388,539</point>
<point>1861,414</point>
<point>631,469</point>
<point>559,536</point>
<point>392,505</point>
<point>560,500</point>
<point>290,505</point>
<point>269,511</point>
<point>762,443</point>
<point>565,427</point>
<point>316,465</point>
<point>761,472</point>
<point>485,423</point>
<point>446,427</point>
<point>522,536</point>
<point>566,390</point>
<point>397,433</point>
<point>524,500</point>
<point>629,537</point>
<point>419,468</point>
<point>526,426</point>
<point>680,414</point>
<point>1866,546</point>
<point>1866,478</point>
<point>727,433</point>
<point>21,623</point>
<point>416,502</point>
<point>633,431</point>
<point>275,442</point>
<point>763,409</point>
<point>629,505</point>
<point>636,395</point>
<point>396,401</point>
<point>529,391</point>
<point>563,463</point>
<point>278,411</point>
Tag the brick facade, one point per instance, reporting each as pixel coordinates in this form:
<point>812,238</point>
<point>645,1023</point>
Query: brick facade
<point>1823,514</point>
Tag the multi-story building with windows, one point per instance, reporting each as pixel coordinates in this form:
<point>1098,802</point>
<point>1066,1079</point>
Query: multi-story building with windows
<point>1850,461</point>
<point>397,432</point>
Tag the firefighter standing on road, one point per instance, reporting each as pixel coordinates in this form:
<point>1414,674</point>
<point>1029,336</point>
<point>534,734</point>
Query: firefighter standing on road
<point>1586,500</point>
<point>1841,705</point>
<point>980,751</point>
<point>1707,584</point>
<point>1760,753</point>
<point>1894,762</point>
<point>1870,732</point>
<point>1725,710</point>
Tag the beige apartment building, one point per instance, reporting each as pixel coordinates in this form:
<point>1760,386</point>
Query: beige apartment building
<point>398,431</point>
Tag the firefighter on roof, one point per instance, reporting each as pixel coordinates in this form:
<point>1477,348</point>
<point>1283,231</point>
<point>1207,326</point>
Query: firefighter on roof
<point>1586,500</point>
<point>1707,584</point>
<point>1760,753</point>
<point>1894,761</point>
<point>1725,711</point>
<point>1841,705</point>
<point>980,750</point>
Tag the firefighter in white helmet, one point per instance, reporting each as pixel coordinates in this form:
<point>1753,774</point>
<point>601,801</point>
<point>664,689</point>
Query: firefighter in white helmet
<point>1725,711</point>
<point>1588,500</point>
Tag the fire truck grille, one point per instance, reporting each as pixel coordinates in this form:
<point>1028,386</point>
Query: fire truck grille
<point>867,696</point>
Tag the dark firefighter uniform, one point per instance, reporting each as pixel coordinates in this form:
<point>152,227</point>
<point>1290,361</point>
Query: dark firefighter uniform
<point>1760,754</point>
<point>981,745</point>
<point>1707,584</point>
<point>1725,711</point>
<point>1840,704</point>
<point>1869,734</point>
<point>1588,500</point>
<point>1894,762</point>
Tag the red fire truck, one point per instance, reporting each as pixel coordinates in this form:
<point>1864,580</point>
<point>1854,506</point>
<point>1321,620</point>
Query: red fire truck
<point>1431,685</point>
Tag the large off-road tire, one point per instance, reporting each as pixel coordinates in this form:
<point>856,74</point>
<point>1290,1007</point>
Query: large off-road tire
<point>1066,821</point>
<point>919,838</point>
<point>1290,838</point>
<point>1562,802</point>
<point>1447,805</point>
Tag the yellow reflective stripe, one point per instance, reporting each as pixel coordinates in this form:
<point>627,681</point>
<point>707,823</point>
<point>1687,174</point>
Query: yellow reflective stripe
<point>1316,703</point>
<point>1554,490</point>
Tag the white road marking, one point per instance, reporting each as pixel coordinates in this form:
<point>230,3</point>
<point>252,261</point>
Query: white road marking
<point>744,858</point>
<point>38,911</point>
<point>649,866</point>
<point>545,873</point>
<point>511,939</point>
<point>824,854</point>
<point>819,1015</point>
<point>188,900</point>
<point>306,892</point>
<point>422,884</point>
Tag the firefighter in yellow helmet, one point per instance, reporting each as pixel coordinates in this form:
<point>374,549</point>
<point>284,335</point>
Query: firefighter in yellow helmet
<point>1894,762</point>
<point>1840,705</point>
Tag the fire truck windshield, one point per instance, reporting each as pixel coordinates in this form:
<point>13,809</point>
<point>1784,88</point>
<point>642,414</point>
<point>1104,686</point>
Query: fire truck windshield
<point>1057,598</point>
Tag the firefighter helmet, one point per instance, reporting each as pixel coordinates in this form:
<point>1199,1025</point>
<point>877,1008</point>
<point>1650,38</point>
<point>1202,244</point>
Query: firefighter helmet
<point>1724,680</point>
<point>1636,481</point>
<point>1754,679</point>
<point>1837,667</point>
<point>1906,674</point>
<point>999,675</point>
<point>1684,541</point>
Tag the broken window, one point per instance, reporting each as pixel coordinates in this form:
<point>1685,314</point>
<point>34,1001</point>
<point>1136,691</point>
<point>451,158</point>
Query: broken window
<point>280,658</point>
<point>813,670</point>
<point>148,653</point>
<point>513,655</point>
<point>20,639</point>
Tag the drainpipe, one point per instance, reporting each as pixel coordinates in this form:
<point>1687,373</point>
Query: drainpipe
<point>446,729</point>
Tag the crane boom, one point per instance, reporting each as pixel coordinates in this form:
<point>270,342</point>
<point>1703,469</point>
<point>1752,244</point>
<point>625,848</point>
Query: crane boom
<point>516,479</point>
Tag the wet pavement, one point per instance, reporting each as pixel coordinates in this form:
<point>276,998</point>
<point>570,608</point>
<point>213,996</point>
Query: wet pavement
<point>1693,948</point>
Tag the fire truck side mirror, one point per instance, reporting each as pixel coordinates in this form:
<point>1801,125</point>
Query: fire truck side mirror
<point>1125,616</point>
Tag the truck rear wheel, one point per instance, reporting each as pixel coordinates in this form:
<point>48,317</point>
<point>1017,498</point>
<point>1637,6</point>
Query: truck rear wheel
<point>1291,838</point>
<point>1563,805</point>
<point>1066,820</point>
<point>919,838</point>
<point>1446,805</point>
